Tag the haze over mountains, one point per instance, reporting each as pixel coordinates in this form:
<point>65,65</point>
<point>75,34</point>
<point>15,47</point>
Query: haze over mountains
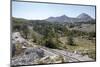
<point>80,18</point>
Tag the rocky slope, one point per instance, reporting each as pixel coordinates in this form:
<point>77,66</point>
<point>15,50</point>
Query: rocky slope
<point>80,18</point>
<point>35,54</point>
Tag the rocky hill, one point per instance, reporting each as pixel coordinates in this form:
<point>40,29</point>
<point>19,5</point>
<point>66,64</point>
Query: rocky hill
<point>31,53</point>
<point>80,18</point>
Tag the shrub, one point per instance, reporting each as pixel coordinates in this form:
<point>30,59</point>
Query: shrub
<point>71,26</point>
<point>52,44</point>
<point>91,35</point>
<point>70,41</point>
<point>34,37</point>
<point>25,31</point>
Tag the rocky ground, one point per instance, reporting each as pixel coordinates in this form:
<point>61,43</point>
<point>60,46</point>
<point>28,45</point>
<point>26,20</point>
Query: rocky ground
<point>36,54</point>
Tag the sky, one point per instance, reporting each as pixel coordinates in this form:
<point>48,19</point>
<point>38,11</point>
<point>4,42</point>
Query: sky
<point>35,11</point>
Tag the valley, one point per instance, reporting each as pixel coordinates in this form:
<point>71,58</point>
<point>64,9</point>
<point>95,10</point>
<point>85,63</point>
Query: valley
<point>53,41</point>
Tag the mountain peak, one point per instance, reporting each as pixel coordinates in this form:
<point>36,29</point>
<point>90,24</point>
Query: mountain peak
<point>64,16</point>
<point>84,16</point>
<point>51,17</point>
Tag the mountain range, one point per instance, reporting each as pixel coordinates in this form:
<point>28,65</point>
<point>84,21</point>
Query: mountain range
<point>80,18</point>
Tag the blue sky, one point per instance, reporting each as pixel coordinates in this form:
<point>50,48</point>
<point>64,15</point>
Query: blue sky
<point>35,11</point>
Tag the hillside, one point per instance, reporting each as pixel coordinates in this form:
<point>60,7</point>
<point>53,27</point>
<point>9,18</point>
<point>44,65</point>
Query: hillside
<point>80,18</point>
<point>43,55</point>
<point>45,42</point>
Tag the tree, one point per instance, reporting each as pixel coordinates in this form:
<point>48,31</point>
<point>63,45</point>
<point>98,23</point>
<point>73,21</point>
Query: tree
<point>50,43</point>
<point>70,41</point>
<point>34,37</point>
<point>91,35</point>
<point>50,39</point>
<point>25,31</point>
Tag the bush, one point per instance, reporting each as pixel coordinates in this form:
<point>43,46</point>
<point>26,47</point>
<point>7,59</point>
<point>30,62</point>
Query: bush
<point>34,37</point>
<point>50,43</point>
<point>70,41</point>
<point>71,26</point>
<point>91,35</point>
<point>25,31</point>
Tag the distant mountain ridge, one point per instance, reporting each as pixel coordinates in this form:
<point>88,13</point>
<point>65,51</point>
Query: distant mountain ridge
<point>80,18</point>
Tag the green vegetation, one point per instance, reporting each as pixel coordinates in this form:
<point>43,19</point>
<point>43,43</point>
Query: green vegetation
<point>50,39</point>
<point>91,35</point>
<point>25,31</point>
<point>58,36</point>
<point>34,37</point>
<point>70,41</point>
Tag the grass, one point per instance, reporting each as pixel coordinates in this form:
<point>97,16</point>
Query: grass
<point>84,46</point>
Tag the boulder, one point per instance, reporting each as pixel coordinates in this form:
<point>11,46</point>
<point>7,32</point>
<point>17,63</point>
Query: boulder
<point>29,56</point>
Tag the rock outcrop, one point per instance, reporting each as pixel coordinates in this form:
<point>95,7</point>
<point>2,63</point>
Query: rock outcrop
<point>42,55</point>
